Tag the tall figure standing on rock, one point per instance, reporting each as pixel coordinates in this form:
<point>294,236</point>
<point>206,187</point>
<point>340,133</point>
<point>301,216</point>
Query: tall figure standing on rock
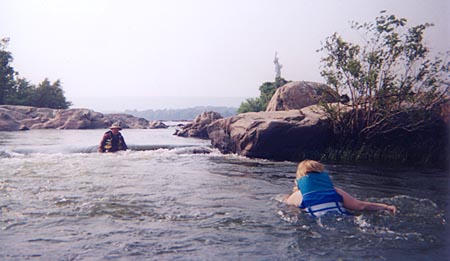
<point>112,140</point>
<point>278,67</point>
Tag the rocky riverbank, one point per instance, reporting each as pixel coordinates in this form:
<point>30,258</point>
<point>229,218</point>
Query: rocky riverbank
<point>292,124</point>
<point>15,118</point>
<point>294,127</point>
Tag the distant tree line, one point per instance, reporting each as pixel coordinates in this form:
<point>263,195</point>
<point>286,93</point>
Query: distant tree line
<point>15,90</point>
<point>181,114</point>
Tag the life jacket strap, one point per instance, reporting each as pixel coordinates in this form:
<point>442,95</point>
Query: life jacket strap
<point>320,209</point>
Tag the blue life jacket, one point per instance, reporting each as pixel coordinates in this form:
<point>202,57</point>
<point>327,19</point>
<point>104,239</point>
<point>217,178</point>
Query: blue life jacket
<point>319,195</point>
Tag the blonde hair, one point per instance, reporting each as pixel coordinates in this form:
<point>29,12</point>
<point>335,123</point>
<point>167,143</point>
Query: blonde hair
<point>307,166</point>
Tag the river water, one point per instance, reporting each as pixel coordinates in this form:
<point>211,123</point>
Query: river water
<point>172,198</point>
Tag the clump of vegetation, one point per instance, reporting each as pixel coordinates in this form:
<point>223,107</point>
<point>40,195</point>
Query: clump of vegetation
<point>395,89</point>
<point>391,81</point>
<point>267,90</point>
<point>19,91</point>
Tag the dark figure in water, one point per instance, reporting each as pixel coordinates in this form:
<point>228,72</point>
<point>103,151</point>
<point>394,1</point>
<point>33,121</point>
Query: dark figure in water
<point>112,140</point>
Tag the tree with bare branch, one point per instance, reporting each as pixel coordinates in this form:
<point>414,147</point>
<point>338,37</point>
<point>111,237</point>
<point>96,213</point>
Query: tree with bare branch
<point>392,83</point>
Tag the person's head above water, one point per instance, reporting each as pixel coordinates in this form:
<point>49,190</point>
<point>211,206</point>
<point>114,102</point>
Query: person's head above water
<point>308,166</point>
<point>115,128</point>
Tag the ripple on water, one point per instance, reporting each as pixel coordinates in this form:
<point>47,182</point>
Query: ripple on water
<point>416,221</point>
<point>174,204</point>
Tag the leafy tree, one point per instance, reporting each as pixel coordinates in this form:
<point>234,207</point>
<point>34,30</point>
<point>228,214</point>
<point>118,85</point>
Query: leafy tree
<point>267,90</point>
<point>7,72</point>
<point>392,83</point>
<point>21,93</point>
<point>251,105</point>
<point>49,96</point>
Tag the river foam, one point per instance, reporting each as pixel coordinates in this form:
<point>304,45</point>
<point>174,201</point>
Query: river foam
<point>188,201</point>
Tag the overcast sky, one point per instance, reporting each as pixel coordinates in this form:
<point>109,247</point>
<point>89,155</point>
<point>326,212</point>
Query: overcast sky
<point>115,55</point>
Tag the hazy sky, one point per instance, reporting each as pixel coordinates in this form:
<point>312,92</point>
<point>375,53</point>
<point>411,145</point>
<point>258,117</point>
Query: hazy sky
<point>135,54</point>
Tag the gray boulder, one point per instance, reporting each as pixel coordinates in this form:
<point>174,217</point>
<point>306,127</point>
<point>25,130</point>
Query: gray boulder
<point>157,125</point>
<point>297,95</point>
<point>67,119</point>
<point>14,118</point>
<point>277,135</point>
<point>198,127</point>
<point>127,121</point>
<point>7,122</point>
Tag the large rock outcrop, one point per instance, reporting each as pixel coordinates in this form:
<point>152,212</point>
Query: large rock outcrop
<point>14,118</point>
<point>292,124</point>
<point>278,135</point>
<point>297,95</point>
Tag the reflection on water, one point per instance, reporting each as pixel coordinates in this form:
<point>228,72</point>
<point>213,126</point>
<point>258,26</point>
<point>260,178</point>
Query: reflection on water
<point>170,202</point>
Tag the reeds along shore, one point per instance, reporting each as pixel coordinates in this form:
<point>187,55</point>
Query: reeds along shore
<point>428,149</point>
